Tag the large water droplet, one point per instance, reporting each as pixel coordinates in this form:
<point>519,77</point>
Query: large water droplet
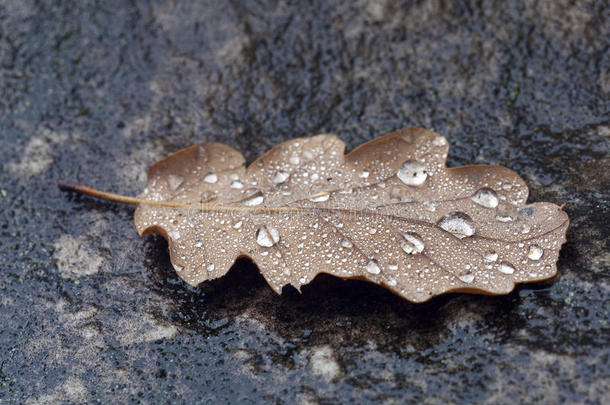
<point>535,252</point>
<point>439,140</point>
<point>211,267</point>
<point>506,268</point>
<point>346,243</point>
<point>486,197</point>
<point>413,243</point>
<point>254,199</point>
<point>504,217</point>
<point>237,184</point>
<point>467,278</point>
<point>174,181</point>
<point>267,236</point>
<point>372,267</point>
<point>294,160</point>
<point>280,177</point>
<point>458,223</point>
<point>177,267</point>
<point>320,197</point>
<point>364,174</point>
<point>412,173</point>
<point>490,256</point>
<point>210,178</point>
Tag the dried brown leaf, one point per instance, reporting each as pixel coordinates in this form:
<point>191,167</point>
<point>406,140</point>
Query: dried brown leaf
<point>389,212</point>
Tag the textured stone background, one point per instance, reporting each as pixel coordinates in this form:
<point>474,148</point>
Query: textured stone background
<point>99,90</point>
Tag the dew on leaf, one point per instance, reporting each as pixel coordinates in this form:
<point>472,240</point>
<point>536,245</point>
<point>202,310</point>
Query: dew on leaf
<point>412,244</point>
<point>254,199</point>
<point>267,236</point>
<point>506,267</point>
<point>237,184</point>
<point>210,178</point>
<point>280,177</point>
<point>486,197</point>
<point>458,223</point>
<point>373,267</point>
<point>535,252</point>
<point>412,173</point>
<point>346,243</point>
<point>490,256</point>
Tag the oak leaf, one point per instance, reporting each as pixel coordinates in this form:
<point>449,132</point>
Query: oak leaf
<point>389,212</point>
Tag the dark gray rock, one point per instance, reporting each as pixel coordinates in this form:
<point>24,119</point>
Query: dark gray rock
<point>99,90</point>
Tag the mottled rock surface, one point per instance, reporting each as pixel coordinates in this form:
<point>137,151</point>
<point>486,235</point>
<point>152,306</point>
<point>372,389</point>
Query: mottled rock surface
<point>99,90</point>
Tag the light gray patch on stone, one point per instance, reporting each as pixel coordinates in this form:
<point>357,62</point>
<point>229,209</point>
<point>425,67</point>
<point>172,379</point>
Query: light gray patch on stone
<point>323,363</point>
<point>143,328</point>
<point>71,391</point>
<point>37,155</point>
<point>74,258</point>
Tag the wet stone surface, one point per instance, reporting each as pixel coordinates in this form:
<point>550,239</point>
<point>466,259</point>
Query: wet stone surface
<point>97,91</point>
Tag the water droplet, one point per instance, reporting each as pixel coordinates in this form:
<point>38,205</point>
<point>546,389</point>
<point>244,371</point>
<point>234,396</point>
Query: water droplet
<point>439,140</point>
<point>393,266</point>
<point>346,243</point>
<point>238,224</point>
<point>211,267</point>
<point>363,174</point>
<point>280,177</point>
<point>467,278</point>
<point>267,236</point>
<point>413,243</point>
<point>412,173</point>
<point>525,229</point>
<point>506,268</point>
<point>392,282</point>
<point>458,223</point>
<point>294,160</point>
<point>504,217</point>
<point>486,197</point>
<point>174,181</point>
<point>210,178</point>
<point>315,176</point>
<point>237,184</point>
<point>177,267</point>
<point>254,199</point>
<point>490,256</point>
<point>372,267</point>
<point>372,231</point>
<point>320,197</point>
<point>174,234</point>
<point>535,252</point>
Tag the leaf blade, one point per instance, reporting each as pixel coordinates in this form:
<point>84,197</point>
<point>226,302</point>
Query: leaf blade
<point>304,208</point>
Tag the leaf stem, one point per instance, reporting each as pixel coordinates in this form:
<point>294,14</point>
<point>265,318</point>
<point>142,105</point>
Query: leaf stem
<point>70,185</point>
